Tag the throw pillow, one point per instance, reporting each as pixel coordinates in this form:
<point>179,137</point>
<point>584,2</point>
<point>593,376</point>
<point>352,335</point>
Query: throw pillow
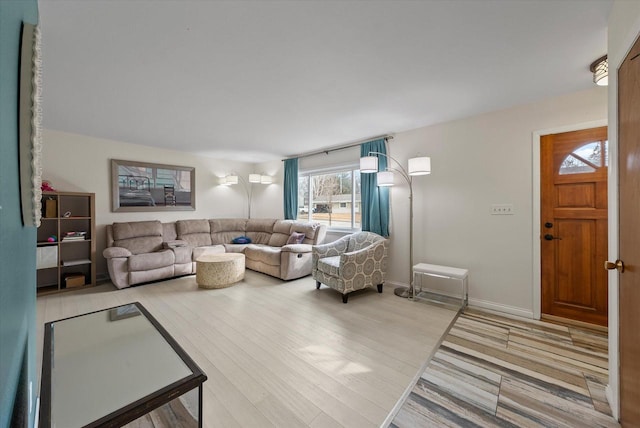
<point>242,240</point>
<point>295,238</point>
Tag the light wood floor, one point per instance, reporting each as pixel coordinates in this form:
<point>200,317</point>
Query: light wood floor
<point>283,353</point>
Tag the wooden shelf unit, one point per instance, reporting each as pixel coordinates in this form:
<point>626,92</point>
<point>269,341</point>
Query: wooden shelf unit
<point>60,259</point>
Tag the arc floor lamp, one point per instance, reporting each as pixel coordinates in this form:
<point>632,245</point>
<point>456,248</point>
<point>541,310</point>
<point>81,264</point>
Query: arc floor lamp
<point>253,178</point>
<point>416,166</point>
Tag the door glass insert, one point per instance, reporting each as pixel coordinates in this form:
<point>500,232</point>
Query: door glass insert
<point>586,158</point>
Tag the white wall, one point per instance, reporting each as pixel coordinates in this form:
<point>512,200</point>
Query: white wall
<point>624,28</point>
<point>82,164</point>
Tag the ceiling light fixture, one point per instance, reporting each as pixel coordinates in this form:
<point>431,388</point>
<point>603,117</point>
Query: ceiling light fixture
<point>600,70</point>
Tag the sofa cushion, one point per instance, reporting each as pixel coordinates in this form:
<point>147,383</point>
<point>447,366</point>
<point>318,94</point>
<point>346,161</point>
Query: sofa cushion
<point>169,232</point>
<point>330,265</point>
<point>224,230</point>
<point>148,261</point>
<point>264,254</point>
<point>196,232</point>
<point>259,237</point>
<point>235,248</point>
<point>139,237</point>
<point>211,249</point>
<point>281,233</point>
<point>260,225</point>
<point>136,229</point>
<point>182,255</point>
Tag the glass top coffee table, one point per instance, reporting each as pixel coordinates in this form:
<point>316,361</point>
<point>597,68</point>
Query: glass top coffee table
<point>114,366</point>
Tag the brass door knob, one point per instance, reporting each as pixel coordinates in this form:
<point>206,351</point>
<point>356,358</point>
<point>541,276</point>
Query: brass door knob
<point>618,265</point>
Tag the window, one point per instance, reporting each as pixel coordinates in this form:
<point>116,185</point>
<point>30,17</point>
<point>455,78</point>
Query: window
<point>586,158</point>
<point>331,198</point>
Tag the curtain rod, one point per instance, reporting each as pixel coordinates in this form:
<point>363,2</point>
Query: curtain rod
<point>336,148</point>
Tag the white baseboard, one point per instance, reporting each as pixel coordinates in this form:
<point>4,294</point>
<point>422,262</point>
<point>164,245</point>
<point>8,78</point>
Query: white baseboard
<point>478,303</point>
<point>499,307</point>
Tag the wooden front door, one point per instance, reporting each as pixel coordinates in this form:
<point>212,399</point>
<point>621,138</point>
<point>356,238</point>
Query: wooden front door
<point>574,225</point>
<point>629,235</point>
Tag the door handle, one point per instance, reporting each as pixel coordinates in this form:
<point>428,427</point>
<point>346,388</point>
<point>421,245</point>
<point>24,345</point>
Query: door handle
<point>618,265</point>
<point>550,237</point>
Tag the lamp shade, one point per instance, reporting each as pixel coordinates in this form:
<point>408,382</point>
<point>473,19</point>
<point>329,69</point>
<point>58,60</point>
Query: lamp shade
<point>385,178</point>
<point>266,179</point>
<point>254,178</point>
<point>420,166</point>
<point>231,179</point>
<point>368,164</point>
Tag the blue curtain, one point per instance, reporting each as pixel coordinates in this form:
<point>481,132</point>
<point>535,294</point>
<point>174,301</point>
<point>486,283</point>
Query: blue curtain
<point>375,200</point>
<point>291,189</point>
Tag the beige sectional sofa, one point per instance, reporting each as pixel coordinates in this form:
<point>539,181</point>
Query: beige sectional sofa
<point>146,251</point>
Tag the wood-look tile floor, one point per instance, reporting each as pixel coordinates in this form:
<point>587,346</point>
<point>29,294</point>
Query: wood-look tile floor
<point>492,371</point>
<point>282,354</point>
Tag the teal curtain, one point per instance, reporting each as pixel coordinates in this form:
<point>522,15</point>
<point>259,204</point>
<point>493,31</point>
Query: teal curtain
<point>375,200</point>
<point>291,189</point>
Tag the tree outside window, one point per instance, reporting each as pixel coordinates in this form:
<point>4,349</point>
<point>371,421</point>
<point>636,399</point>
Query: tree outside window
<point>332,198</point>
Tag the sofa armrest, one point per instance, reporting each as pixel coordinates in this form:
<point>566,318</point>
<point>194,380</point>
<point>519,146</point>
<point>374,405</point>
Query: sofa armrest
<point>174,244</point>
<point>113,252</point>
<point>297,248</point>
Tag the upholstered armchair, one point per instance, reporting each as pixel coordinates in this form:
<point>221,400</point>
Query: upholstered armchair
<point>351,263</point>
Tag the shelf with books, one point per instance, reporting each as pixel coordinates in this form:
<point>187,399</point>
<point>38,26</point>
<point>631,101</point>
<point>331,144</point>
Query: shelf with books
<point>69,218</point>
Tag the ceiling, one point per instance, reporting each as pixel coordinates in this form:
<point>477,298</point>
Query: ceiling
<point>261,80</point>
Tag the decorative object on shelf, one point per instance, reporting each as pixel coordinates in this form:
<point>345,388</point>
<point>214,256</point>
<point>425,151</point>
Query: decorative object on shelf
<point>416,166</point>
<point>67,214</point>
<point>52,238</point>
<point>74,236</point>
<point>46,186</point>
<point>30,125</point>
<point>143,186</point>
<point>50,208</point>
<point>600,70</point>
<point>253,178</point>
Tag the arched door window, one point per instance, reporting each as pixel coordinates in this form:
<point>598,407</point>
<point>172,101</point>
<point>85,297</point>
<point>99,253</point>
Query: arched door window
<point>586,158</point>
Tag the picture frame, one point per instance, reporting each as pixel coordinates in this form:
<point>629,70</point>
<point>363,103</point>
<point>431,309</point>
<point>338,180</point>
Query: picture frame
<point>143,186</point>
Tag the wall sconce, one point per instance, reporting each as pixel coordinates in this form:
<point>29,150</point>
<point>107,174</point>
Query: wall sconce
<point>600,70</point>
<point>416,166</point>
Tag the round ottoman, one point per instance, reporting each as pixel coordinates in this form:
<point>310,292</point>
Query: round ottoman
<point>219,270</point>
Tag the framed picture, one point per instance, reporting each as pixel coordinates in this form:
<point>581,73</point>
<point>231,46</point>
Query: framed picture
<point>143,186</point>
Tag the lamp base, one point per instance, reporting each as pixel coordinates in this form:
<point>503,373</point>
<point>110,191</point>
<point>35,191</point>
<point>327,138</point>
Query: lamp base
<point>403,292</point>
